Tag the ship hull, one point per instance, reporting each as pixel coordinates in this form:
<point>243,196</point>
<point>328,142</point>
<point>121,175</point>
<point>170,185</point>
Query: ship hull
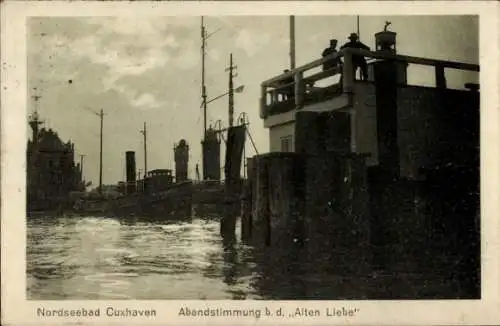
<point>208,200</point>
<point>174,203</point>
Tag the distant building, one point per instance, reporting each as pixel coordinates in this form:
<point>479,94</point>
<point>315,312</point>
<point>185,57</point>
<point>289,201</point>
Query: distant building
<point>51,170</point>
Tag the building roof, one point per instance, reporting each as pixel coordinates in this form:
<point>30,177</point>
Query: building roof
<point>49,141</point>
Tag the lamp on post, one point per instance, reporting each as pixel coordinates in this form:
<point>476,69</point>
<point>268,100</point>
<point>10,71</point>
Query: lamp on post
<point>238,89</point>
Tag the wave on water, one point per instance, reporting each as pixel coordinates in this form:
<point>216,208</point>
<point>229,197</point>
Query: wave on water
<point>100,258</point>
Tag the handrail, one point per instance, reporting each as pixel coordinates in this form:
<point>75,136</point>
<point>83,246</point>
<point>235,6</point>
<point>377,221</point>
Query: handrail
<point>374,55</point>
<point>298,88</point>
<point>308,66</point>
<point>417,60</point>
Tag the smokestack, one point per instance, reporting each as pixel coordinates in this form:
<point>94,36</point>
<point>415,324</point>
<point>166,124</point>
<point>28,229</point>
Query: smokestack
<point>131,172</point>
<point>181,154</point>
<point>211,156</point>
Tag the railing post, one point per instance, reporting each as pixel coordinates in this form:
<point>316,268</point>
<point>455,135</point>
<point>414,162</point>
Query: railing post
<point>440,77</point>
<point>263,102</point>
<point>347,72</point>
<point>299,89</point>
<point>274,97</point>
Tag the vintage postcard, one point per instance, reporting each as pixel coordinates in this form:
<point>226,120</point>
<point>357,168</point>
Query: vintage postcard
<point>193,163</point>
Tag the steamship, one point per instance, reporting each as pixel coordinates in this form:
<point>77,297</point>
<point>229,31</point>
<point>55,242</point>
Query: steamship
<point>161,194</point>
<point>158,194</point>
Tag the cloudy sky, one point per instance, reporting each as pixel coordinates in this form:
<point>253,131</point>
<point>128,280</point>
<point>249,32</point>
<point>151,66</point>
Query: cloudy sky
<point>148,69</point>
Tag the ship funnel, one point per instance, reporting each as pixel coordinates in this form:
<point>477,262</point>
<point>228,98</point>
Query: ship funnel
<point>211,156</point>
<point>181,154</point>
<point>131,173</point>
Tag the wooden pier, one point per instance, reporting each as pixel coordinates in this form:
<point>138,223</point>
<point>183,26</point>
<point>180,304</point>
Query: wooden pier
<point>362,181</point>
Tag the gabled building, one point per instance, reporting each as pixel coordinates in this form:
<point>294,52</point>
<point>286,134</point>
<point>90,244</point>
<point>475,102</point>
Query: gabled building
<point>51,170</point>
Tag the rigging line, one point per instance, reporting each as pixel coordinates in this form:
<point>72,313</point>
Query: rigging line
<point>251,139</point>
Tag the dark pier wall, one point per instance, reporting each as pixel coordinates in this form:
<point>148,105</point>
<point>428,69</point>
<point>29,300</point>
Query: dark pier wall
<point>426,220</point>
<point>427,132</point>
<point>412,209</point>
<point>337,209</point>
<point>246,203</point>
<point>437,127</point>
<point>335,188</point>
<point>277,199</point>
<point>386,104</point>
<point>315,202</point>
<point>439,141</point>
<point>318,133</point>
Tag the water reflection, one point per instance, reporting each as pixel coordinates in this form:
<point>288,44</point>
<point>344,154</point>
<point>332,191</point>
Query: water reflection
<point>100,258</point>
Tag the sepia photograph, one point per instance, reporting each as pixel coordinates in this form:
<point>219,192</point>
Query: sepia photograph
<point>273,157</point>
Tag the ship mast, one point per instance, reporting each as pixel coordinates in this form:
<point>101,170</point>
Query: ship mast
<point>231,69</point>
<point>81,167</point>
<point>144,133</point>
<point>204,37</point>
<point>203,87</point>
<point>357,27</point>
<point>100,114</point>
<point>292,42</point>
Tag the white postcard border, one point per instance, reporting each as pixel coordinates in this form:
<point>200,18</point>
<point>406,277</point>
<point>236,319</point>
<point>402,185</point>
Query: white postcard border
<point>16,310</point>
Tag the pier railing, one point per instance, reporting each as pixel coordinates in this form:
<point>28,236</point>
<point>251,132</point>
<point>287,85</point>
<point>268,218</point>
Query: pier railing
<point>296,84</point>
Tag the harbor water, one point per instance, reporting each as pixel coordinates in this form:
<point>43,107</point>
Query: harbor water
<point>102,258</point>
<point>86,258</point>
